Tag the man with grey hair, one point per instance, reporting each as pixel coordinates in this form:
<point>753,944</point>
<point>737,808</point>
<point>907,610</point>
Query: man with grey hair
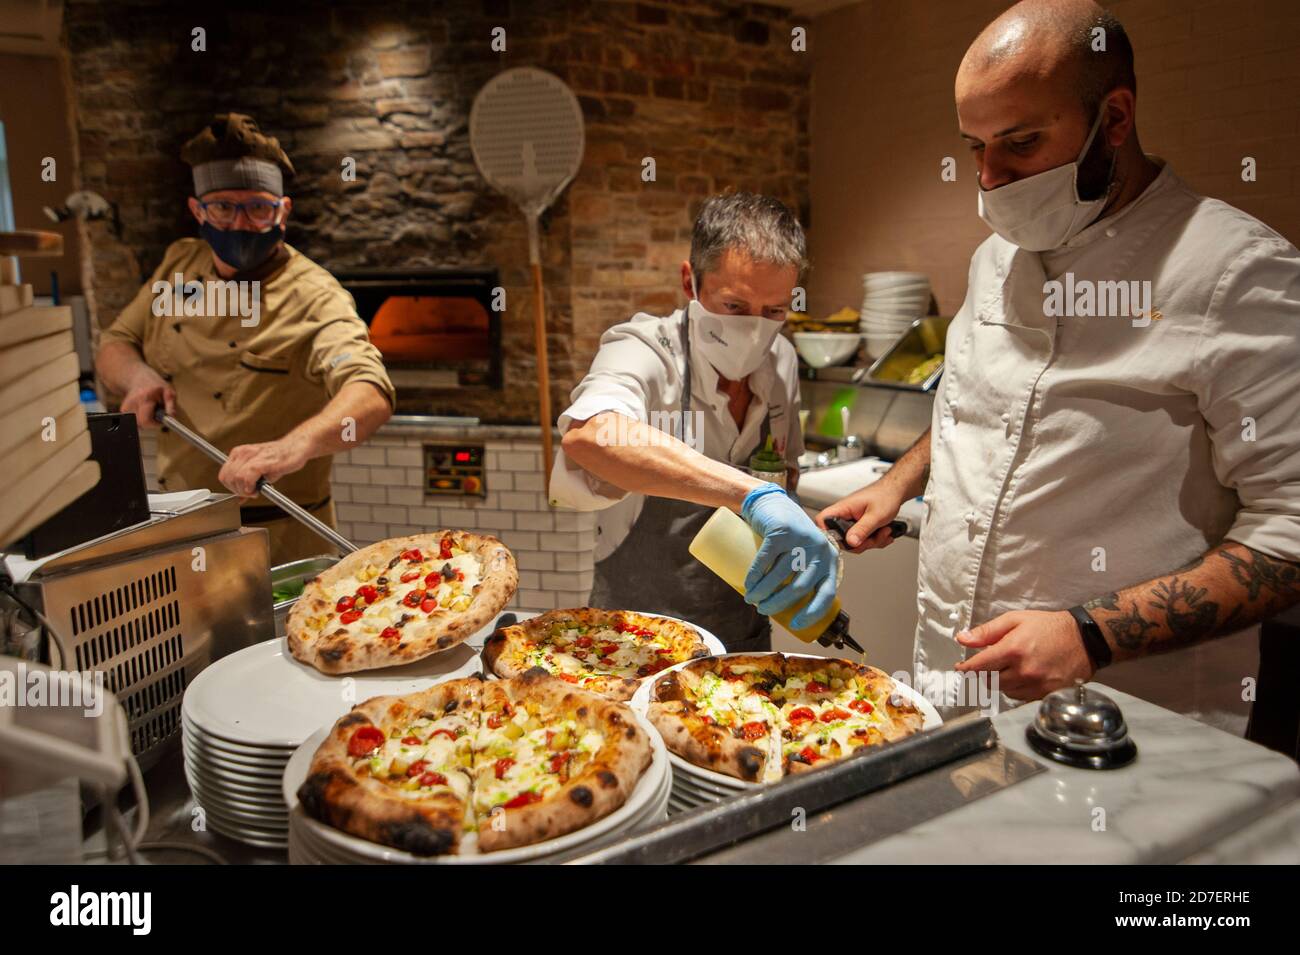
<point>662,427</point>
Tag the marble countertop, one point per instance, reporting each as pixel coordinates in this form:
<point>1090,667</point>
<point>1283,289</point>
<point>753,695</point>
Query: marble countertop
<point>1194,794</point>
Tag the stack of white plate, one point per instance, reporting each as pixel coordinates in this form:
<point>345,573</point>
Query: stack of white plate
<point>311,842</point>
<point>696,786</point>
<point>891,301</point>
<point>245,715</point>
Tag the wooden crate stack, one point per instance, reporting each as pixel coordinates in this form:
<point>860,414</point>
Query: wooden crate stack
<point>44,441</point>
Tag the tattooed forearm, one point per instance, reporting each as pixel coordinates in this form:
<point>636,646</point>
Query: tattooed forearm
<point>1222,591</point>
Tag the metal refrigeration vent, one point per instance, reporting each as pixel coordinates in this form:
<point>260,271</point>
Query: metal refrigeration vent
<point>132,635</point>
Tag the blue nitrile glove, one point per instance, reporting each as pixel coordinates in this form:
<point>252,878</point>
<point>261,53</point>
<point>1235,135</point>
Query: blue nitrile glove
<point>788,533</point>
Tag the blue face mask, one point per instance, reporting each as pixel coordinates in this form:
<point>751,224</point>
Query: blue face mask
<point>240,248</point>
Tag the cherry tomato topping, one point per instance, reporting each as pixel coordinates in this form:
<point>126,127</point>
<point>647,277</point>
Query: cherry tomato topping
<point>559,760</point>
<point>417,767</point>
<point>523,799</point>
<point>503,766</point>
<point>428,605</point>
<point>834,713</point>
<point>444,548</point>
<point>862,706</point>
<point>584,641</point>
<point>753,731</point>
<point>809,754</point>
<point>433,779</point>
<point>390,633</point>
<point>345,603</point>
<point>800,714</point>
<point>410,741</point>
<point>567,677</point>
<point>450,734</point>
<point>494,721</point>
<point>350,616</point>
<point>815,687</point>
<point>369,592</point>
<point>364,740</point>
<point>409,576</point>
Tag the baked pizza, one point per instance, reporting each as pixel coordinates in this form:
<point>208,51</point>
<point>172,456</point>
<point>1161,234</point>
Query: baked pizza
<point>760,717</point>
<point>514,761</point>
<point>400,600</point>
<point>607,651</point>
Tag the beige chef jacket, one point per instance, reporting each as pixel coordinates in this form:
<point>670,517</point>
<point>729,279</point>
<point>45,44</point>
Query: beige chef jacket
<point>1073,456</point>
<point>638,370</point>
<point>243,385</point>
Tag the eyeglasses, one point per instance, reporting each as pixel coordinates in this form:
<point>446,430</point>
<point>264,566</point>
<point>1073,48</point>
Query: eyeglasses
<point>260,212</point>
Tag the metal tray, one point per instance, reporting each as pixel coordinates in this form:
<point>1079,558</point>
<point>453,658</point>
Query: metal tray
<point>921,342</point>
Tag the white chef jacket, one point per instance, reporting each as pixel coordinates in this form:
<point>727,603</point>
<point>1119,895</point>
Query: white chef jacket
<point>1075,456</point>
<point>638,369</point>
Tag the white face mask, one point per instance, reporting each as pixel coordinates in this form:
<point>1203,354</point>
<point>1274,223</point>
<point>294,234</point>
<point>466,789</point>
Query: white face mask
<point>734,344</point>
<point>1044,211</point>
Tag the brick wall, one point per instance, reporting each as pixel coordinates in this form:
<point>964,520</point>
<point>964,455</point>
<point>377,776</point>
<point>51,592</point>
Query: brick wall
<point>712,91</point>
<point>1217,80</point>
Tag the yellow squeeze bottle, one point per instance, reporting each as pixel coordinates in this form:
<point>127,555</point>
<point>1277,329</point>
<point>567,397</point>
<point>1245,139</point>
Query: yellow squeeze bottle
<point>727,546</point>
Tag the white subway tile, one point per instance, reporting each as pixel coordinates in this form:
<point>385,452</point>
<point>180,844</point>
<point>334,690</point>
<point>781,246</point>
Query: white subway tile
<point>404,530</point>
<point>501,481</point>
<point>389,514</point>
<point>368,533</point>
<point>405,457</point>
<point>389,477</point>
<point>415,477</point>
<point>581,580</point>
<point>342,493</point>
<point>536,600</point>
<point>353,512</point>
<point>575,598</point>
<point>574,520</point>
<point>430,517</point>
<point>519,461</point>
<point>406,496</point>
<point>571,561</point>
<point>369,494</point>
<point>521,501</point>
<point>520,540</point>
<point>493,520</point>
<point>374,456</point>
<point>529,580</point>
<point>534,560</point>
<point>524,481</point>
<point>352,474</point>
<point>529,521</point>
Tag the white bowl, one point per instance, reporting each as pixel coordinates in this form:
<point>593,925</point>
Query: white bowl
<point>820,349</point>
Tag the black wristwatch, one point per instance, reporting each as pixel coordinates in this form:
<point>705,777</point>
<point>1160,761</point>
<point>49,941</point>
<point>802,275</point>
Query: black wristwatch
<point>1094,644</point>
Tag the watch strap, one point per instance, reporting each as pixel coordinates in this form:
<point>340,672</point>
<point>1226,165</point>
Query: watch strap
<point>1094,643</point>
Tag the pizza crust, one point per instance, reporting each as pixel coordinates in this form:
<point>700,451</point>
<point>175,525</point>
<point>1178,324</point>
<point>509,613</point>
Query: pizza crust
<point>339,649</point>
<point>338,795</point>
<point>673,714</point>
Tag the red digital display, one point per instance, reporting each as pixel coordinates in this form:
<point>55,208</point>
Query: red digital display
<point>462,456</point>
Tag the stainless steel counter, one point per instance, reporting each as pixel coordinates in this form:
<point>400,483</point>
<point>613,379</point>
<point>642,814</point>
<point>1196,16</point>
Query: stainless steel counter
<point>1194,794</point>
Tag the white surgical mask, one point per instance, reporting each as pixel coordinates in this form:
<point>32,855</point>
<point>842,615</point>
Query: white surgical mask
<point>1044,212</point>
<point>734,344</point>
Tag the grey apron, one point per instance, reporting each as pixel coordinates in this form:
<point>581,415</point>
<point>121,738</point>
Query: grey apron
<point>652,570</point>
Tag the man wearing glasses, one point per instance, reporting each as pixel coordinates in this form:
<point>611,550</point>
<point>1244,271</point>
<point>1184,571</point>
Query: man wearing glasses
<point>280,387</point>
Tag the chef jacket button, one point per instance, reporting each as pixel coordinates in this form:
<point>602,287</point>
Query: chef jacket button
<point>970,517</point>
<point>1006,417</point>
<point>1111,233</point>
<point>954,616</point>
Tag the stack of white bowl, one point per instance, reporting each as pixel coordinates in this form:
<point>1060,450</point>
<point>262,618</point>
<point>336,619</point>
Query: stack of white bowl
<point>245,715</point>
<point>312,842</point>
<point>891,301</point>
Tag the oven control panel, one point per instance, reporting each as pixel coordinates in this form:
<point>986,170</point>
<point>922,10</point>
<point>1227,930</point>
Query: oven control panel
<point>455,470</point>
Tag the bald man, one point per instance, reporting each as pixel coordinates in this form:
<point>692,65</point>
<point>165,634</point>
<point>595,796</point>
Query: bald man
<point>1113,464</point>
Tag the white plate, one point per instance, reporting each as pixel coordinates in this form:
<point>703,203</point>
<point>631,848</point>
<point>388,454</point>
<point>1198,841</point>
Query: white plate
<point>259,788</point>
<point>228,772</point>
<point>641,702</point>
<point>235,749</point>
<point>262,697</point>
<point>207,791</point>
<point>202,752</point>
<point>647,790</point>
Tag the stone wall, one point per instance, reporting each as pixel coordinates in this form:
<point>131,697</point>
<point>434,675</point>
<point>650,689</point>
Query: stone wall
<point>711,91</point>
